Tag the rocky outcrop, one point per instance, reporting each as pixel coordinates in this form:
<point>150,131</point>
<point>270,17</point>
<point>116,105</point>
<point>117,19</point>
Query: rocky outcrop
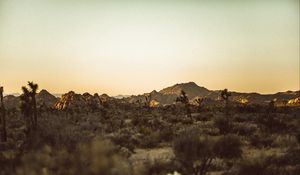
<point>44,98</point>
<point>191,89</point>
<point>78,102</point>
<point>212,97</point>
<point>294,102</point>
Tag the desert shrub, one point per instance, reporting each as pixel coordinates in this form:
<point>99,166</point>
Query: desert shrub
<point>196,152</point>
<point>166,134</point>
<point>285,141</point>
<point>174,119</point>
<point>244,129</point>
<point>291,157</point>
<point>190,148</point>
<point>202,117</point>
<point>272,123</point>
<point>187,121</point>
<point>254,166</point>
<point>97,157</point>
<point>151,140</point>
<point>124,139</point>
<point>266,165</point>
<point>139,120</point>
<point>298,136</point>
<point>223,124</point>
<point>261,140</point>
<point>158,167</point>
<point>228,147</point>
<point>241,118</point>
<point>145,130</point>
<point>56,131</point>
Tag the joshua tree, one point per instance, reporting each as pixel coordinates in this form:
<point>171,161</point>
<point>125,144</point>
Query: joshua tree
<point>148,99</point>
<point>26,107</point>
<point>225,94</point>
<point>185,100</point>
<point>33,90</point>
<point>199,102</point>
<point>271,107</point>
<point>3,121</point>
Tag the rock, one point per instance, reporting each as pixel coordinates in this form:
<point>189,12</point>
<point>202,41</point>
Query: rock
<point>77,102</point>
<point>45,98</point>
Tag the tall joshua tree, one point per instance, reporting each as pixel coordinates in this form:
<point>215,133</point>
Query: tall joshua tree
<point>28,105</point>
<point>3,120</point>
<point>33,91</point>
<point>225,94</point>
<point>185,100</point>
<point>26,108</point>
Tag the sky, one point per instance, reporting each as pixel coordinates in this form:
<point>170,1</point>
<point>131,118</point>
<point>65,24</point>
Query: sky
<point>133,47</point>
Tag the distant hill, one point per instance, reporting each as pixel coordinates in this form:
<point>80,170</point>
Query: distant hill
<point>42,98</point>
<point>45,98</point>
<point>168,95</point>
<point>191,88</point>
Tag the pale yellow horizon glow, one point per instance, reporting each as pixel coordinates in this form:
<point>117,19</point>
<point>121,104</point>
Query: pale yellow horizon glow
<point>133,47</point>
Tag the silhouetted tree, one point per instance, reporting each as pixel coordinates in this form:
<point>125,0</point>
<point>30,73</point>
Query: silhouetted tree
<point>33,91</point>
<point>271,107</point>
<point>199,102</point>
<point>26,108</point>
<point>225,94</point>
<point>185,100</point>
<point>3,120</point>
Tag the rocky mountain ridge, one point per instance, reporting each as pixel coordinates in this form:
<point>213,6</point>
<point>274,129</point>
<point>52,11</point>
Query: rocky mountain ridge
<point>166,96</point>
<point>212,97</point>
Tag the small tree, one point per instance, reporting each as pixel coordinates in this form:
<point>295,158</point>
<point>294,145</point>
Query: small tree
<point>26,108</point>
<point>185,100</point>
<point>2,119</point>
<point>33,91</point>
<point>225,94</point>
<point>28,105</point>
<point>199,102</point>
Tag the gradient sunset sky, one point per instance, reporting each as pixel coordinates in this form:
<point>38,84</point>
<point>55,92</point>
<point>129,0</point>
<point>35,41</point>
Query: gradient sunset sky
<point>132,47</point>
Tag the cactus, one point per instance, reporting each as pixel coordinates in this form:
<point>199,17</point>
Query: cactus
<point>185,100</point>
<point>225,94</point>
<point>3,120</point>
